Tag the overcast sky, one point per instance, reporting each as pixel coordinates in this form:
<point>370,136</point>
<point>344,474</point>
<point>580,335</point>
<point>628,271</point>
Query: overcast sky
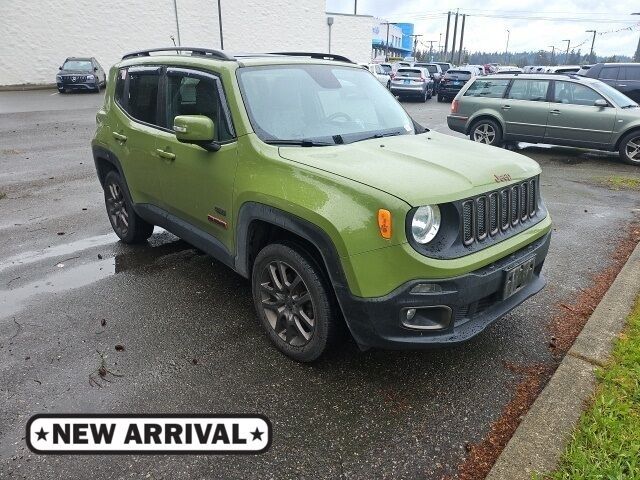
<point>571,19</point>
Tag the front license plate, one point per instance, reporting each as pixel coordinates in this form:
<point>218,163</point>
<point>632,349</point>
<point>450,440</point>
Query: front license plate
<point>456,83</point>
<point>518,277</point>
<point>407,82</point>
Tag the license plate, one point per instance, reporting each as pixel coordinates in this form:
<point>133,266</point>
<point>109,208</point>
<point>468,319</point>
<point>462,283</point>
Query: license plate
<point>518,277</point>
<point>407,82</point>
<point>456,83</point>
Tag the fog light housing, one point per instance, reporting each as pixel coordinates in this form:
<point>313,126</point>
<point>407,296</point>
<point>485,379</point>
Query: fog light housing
<point>436,317</point>
<point>424,288</point>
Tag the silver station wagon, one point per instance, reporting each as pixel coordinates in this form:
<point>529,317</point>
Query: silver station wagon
<point>553,109</point>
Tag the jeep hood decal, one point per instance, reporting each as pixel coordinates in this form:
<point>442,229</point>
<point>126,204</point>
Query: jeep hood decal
<point>419,169</point>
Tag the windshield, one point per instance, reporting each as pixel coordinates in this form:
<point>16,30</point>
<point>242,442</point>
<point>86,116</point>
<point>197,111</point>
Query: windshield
<point>618,97</point>
<point>458,72</point>
<point>82,65</point>
<point>415,73</point>
<point>323,104</point>
<point>386,68</point>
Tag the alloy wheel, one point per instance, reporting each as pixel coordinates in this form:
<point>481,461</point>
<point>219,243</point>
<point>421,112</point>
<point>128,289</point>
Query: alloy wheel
<point>287,303</point>
<point>633,149</point>
<point>484,133</point>
<point>117,208</point>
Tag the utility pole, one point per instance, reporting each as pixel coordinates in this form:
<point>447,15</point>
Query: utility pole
<point>636,57</point>
<point>464,18</point>
<point>553,53</point>
<point>566,57</point>
<point>415,43</point>
<point>386,46</point>
<point>455,34</point>
<point>431,42</point>
<point>355,7</point>
<point>175,10</point>
<point>591,59</point>
<point>506,50</point>
<point>446,38</point>
<point>219,24</point>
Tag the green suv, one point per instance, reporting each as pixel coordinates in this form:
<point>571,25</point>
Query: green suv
<point>554,109</point>
<point>304,174</point>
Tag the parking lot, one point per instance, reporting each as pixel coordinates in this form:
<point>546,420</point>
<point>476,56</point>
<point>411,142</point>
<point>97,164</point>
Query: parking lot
<point>175,331</point>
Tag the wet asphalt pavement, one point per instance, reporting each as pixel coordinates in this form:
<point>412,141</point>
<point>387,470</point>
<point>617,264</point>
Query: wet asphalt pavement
<point>191,341</point>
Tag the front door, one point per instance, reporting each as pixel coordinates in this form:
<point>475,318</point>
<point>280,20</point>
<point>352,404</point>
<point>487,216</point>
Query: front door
<point>198,183</point>
<point>525,110</point>
<point>575,120</point>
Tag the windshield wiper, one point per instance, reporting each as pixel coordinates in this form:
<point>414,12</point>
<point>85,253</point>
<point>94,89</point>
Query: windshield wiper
<point>301,143</point>
<point>379,135</point>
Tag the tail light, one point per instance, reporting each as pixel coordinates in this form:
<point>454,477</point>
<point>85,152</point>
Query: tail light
<point>422,79</point>
<point>454,106</point>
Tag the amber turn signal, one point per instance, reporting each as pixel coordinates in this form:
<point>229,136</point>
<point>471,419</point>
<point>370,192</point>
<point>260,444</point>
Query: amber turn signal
<point>384,223</point>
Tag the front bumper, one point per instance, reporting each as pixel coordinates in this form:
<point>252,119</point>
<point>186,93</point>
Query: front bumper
<point>475,301</point>
<point>91,85</point>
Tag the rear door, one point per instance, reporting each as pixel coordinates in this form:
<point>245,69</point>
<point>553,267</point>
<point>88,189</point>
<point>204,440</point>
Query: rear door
<point>134,130</point>
<point>575,120</point>
<point>525,109</point>
<point>629,81</point>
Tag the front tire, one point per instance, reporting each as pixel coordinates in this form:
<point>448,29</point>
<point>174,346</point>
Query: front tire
<point>630,148</point>
<point>486,131</point>
<point>295,306</point>
<point>125,222</point>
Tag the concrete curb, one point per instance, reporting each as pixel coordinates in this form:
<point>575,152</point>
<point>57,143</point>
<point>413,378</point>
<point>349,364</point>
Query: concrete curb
<point>27,86</point>
<point>541,438</point>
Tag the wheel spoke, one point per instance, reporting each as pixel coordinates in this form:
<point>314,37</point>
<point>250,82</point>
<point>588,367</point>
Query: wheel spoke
<point>123,219</point>
<point>300,329</point>
<point>274,277</point>
<point>304,318</point>
<point>302,299</point>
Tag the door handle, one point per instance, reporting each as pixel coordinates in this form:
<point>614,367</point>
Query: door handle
<point>506,107</point>
<point>119,136</point>
<point>622,85</point>
<point>166,155</point>
<point>555,112</point>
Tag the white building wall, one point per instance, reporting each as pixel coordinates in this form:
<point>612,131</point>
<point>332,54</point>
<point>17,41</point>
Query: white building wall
<point>37,35</point>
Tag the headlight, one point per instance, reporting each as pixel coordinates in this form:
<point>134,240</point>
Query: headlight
<point>425,223</point>
<point>59,78</point>
<point>89,77</point>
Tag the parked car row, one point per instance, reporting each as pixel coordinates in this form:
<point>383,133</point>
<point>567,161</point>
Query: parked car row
<point>553,109</point>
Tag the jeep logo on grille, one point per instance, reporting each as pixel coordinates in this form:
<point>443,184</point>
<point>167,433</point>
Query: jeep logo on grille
<point>502,178</point>
<point>73,79</point>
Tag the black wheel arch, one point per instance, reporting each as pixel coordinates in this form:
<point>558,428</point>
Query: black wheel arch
<point>485,116</point>
<point>623,135</point>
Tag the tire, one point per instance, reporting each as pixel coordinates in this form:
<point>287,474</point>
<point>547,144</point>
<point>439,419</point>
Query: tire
<point>284,319</point>
<point>429,94</point>
<point>389,85</point>
<point>486,131</point>
<point>425,97</point>
<point>630,148</point>
<point>125,222</point>
<point>440,98</point>
<point>61,90</point>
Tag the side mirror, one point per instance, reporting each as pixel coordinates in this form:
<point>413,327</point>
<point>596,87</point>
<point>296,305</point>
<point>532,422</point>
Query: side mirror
<point>60,67</point>
<point>95,69</point>
<point>196,129</point>
<point>601,103</point>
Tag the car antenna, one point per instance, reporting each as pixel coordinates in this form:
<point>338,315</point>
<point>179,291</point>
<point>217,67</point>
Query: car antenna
<point>173,39</point>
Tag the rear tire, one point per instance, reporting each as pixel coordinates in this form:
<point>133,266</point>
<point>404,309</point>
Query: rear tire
<point>630,148</point>
<point>125,222</point>
<point>486,131</point>
<point>294,303</point>
<point>441,98</point>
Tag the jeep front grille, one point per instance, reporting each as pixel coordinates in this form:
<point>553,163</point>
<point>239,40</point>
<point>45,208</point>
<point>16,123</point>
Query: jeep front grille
<point>488,214</point>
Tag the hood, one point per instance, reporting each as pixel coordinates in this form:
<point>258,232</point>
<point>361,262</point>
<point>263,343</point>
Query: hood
<point>75,72</point>
<point>419,169</point>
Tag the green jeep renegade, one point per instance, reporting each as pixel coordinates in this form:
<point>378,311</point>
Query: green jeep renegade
<point>303,173</point>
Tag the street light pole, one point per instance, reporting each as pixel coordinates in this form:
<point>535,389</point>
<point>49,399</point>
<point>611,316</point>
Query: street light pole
<point>636,57</point>
<point>566,57</point>
<point>591,59</point>
<point>415,43</point>
<point>553,53</point>
<point>386,47</point>
<point>220,25</point>
<point>506,50</point>
<point>175,10</point>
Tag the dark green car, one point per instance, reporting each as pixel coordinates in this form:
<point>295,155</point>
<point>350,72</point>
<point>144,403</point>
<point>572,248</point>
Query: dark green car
<point>554,109</point>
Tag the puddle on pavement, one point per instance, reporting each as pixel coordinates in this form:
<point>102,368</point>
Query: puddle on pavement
<point>12,301</point>
<point>69,277</point>
<point>33,256</point>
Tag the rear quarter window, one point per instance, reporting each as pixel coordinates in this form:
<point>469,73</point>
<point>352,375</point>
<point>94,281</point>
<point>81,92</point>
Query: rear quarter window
<point>494,88</point>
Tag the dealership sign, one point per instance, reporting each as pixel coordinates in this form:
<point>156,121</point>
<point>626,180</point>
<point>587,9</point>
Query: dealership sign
<point>201,434</point>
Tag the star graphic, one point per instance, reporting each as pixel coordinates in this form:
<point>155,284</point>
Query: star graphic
<point>257,435</point>
<point>42,435</point>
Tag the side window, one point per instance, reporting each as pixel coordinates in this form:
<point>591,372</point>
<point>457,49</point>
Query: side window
<point>532,90</point>
<point>609,73</point>
<point>487,88</point>
<point>143,96</point>
<point>120,81</point>
<point>189,94</point>
<point>575,94</point>
<point>631,73</point>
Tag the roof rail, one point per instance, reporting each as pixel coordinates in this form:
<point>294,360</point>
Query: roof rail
<point>318,56</point>
<point>217,54</point>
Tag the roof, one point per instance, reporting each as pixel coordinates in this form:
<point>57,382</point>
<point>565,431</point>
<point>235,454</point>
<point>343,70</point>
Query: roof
<point>540,76</point>
<point>241,59</point>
